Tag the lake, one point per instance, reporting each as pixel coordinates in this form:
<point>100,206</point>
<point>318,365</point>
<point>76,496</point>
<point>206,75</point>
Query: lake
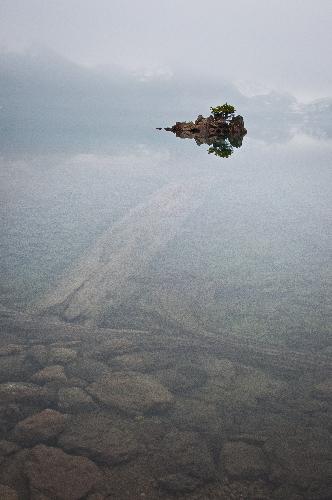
<point>166,313</point>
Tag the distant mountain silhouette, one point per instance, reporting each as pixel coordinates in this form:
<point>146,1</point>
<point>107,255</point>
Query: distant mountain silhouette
<point>44,94</point>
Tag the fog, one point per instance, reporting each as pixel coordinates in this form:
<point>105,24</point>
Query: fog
<point>256,44</point>
<point>165,297</point>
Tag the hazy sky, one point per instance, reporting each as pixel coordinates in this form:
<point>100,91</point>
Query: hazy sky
<point>282,44</point>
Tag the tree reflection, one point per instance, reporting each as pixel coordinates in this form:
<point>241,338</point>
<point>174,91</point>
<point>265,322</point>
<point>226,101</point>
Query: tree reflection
<point>221,148</point>
<point>221,135</point>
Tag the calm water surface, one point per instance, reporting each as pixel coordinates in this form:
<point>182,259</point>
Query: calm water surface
<point>194,294</point>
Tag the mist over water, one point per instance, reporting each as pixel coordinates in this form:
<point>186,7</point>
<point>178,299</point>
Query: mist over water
<point>165,313</point>
<point>254,243</point>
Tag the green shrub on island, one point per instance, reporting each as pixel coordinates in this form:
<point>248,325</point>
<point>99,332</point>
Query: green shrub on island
<point>224,110</point>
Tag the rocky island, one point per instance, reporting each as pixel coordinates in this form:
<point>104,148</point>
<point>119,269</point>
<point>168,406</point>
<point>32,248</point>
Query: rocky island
<point>222,130</point>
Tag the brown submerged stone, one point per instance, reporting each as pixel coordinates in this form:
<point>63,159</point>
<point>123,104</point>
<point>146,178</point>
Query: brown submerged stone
<point>99,437</point>
<point>133,393</point>
<point>55,474</point>
<point>7,493</point>
<point>20,391</point>
<point>54,373</point>
<point>39,428</point>
<point>74,398</point>
<point>243,460</point>
<point>183,462</point>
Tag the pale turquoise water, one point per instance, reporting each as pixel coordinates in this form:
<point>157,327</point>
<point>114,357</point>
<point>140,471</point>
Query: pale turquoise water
<point>251,258</point>
<point>223,265</point>
<point>176,306</point>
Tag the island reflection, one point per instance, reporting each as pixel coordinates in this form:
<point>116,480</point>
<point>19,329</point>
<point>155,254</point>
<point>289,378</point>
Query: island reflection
<point>222,131</point>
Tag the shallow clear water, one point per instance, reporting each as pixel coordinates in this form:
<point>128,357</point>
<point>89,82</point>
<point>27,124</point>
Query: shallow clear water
<point>153,234</point>
<point>250,254</point>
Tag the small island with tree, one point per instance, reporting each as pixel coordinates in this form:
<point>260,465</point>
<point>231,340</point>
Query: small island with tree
<point>222,130</point>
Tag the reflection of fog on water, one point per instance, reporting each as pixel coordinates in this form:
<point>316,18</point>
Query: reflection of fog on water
<point>165,322</point>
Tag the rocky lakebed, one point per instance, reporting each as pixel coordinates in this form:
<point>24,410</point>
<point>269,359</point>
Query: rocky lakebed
<point>95,413</point>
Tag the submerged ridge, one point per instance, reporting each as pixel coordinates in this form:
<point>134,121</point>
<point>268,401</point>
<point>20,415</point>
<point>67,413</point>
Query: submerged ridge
<point>104,276</point>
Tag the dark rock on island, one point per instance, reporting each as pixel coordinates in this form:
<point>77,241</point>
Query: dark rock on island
<point>205,130</point>
<point>221,130</point>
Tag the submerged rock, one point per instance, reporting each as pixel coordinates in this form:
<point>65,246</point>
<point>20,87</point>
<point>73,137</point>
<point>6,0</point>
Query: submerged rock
<point>142,361</point>
<point>99,437</point>
<point>323,390</point>
<point>53,373</point>
<point>10,414</point>
<point>242,460</point>
<point>221,368</point>
<point>303,459</point>
<point>54,474</point>
<point>86,369</point>
<point>74,398</point>
<point>39,354</point>
<point>286,491</point>
<point>15,367</point>
<point>20,391</point>
<point>12,473</point>
<point>11,349</point>
<point>96,496</point>
<point>178,482</point>
<point>7,493</point>
<point>250,388</point>
<point>185,462</point>
<point>196,415</point>
<point>7,448</point>
<point>39,428</point>
<point>62,355</point>
<point>183,378</point>
<point>133,393</point>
